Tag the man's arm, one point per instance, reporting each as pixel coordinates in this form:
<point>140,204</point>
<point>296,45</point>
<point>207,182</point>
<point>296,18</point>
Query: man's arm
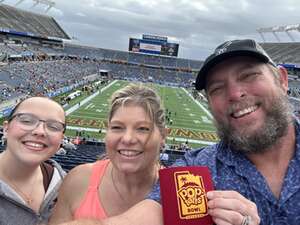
<point>146,212</point>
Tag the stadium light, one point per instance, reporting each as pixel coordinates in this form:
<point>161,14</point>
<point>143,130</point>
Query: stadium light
<point>292,27</point>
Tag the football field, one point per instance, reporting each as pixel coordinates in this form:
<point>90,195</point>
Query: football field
<point>189,120</point>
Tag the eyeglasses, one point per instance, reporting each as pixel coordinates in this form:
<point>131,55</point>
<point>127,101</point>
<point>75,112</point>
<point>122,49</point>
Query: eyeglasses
<point>29,122</point>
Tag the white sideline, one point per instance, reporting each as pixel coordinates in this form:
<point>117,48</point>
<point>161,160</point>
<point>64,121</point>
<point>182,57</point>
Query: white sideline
<point>84,101</point>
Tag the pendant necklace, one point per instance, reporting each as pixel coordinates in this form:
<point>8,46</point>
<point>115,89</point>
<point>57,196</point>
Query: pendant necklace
<point>117,189</point>
<point>26,197</point>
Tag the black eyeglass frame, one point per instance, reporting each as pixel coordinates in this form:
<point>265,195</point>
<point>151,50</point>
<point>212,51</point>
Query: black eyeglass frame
<point>44,121</point>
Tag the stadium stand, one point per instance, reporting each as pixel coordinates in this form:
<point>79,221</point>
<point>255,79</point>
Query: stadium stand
<point>23,21</point>
<point>42,77</point>
<point>294,88</point>
<point>83,154</point>
<point>283,52</point>
<point>172,156</point>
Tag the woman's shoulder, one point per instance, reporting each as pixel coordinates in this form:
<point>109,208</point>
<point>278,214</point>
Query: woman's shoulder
<point>81,171</point>
<point>78,177</point>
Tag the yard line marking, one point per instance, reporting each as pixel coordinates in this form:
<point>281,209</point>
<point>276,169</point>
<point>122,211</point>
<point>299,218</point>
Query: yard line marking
<point>198,103</point>
<point>88,106</point>
<point>206,120</point>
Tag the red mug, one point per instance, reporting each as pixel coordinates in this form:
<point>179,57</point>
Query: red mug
<point>183,195</point>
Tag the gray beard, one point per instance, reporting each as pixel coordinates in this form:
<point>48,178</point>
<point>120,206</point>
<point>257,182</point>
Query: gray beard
<point>276,125</point>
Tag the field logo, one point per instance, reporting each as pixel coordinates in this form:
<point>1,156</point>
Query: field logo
<point>191,198</point>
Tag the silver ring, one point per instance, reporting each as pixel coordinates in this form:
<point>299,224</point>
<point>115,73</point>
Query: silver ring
<point>246,220</point>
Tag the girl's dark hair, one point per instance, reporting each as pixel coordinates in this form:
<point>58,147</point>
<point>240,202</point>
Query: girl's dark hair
<point>14,110</point>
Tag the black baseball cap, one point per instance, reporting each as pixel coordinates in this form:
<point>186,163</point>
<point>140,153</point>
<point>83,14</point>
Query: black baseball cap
<point>228,49</point>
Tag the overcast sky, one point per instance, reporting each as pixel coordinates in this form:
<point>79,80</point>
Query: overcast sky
<point>197,25</point>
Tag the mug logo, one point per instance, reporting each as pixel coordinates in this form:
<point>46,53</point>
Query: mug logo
<point>191,198</point>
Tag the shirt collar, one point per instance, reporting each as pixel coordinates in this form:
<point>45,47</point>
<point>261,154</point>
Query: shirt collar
<point>297,130</point>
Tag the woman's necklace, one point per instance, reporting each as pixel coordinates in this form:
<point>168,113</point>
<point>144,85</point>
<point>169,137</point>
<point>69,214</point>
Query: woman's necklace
<point>28,198</point>
<point>115,186</point>
<point>117,189</point>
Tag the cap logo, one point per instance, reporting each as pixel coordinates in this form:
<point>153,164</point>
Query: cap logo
<point>220,51</point>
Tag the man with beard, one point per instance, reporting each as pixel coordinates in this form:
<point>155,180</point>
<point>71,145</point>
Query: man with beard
<point>256,165</point>
<point>259,152</point>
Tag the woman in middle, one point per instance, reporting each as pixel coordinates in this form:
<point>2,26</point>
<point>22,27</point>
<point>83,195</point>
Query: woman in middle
<point>135,135</point>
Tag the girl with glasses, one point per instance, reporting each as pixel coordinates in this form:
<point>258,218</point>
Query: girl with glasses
<point>28,184</point>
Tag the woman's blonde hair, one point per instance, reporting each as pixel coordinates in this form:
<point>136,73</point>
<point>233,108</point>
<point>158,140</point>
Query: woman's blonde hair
<point>143,96</point>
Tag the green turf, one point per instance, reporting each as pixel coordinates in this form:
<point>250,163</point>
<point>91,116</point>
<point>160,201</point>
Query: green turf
<point>189,121</point>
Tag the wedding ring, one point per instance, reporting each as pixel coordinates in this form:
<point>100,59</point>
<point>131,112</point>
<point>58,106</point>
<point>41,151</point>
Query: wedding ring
<point>246,220</point>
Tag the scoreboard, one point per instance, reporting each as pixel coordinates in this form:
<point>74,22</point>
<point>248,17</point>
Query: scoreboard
<point>152,44</point>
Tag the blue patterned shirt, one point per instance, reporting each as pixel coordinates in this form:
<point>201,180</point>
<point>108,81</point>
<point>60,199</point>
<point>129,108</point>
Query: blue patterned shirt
<point>233,171</point>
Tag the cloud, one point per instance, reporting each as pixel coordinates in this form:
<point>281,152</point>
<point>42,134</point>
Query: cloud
<point>80,14</point>
<point>198,26</point>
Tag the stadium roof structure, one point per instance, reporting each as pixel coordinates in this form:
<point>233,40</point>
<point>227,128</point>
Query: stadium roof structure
<point>275,29</point>
<point>48,3</point>
<point>32,24</point>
